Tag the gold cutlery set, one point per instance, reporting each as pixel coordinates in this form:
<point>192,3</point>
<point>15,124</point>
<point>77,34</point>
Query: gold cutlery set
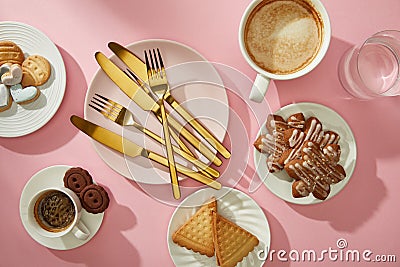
<point>146,84</point>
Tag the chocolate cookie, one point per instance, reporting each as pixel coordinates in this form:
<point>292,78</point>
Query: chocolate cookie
<point>275,123</point>
<point>296,120</point>
<point>317,170</point>
<point>94,198</point>
<point>77,179</point>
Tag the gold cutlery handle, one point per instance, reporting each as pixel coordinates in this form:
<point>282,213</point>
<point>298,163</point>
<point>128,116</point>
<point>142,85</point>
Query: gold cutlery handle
<point>193,140</point>
<point>211,139</point>
<point>188,172</point>
<point>181,144</point>
<point>170,155</point>
<point>203,168</point>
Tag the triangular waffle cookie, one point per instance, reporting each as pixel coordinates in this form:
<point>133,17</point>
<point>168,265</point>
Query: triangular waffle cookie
<point>232,243</point>
<point>197,234</point>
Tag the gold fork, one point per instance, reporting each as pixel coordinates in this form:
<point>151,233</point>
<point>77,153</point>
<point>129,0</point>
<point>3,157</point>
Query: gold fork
<point>122,116</point>
<point>133,77</point>
<point>159,85</point>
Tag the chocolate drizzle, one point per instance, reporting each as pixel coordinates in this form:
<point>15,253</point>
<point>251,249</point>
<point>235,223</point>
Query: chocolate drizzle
<point>316,169</point>
<point>309,154</point>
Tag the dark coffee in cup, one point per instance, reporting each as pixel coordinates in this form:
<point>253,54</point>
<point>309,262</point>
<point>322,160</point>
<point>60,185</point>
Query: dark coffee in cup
<point>283,36</point>
<point>54,211</point>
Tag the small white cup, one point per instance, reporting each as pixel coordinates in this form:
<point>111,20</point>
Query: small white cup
<point>77,227</point>
<point>263,77</point>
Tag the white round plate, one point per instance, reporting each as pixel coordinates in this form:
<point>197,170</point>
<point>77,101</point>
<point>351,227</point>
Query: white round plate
<point>53,177</point>
<point>21,120</point>
<point>280,183</point>
<point>213,114</point>
<point>234,205</point>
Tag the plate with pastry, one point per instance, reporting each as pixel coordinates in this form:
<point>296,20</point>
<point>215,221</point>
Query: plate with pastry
<point>32,79</point>
<point>218,228</point>
<point>305,153</point>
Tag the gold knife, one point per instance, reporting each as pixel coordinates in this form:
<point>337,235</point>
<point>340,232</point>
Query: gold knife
<point>139,68</point>
<point>145,102</point>
<point>124,146</point>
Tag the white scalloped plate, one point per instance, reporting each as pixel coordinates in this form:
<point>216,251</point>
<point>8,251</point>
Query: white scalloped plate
<point>233,205</point>
<point>21,120</point>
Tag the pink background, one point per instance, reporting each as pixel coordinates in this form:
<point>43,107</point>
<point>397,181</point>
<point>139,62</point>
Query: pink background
<point>365,213</point>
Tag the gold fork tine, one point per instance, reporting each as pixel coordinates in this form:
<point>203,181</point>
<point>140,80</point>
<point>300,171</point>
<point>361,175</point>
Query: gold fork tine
<point>109,101</point>
<point>153,62</point>
<point>98,106</point>
<point>104,108</point>
<point>157,59</point>
<point>148,67</point>
<point>162,68</point>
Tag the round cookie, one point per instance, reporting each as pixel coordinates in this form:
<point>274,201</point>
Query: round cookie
<point>94,198</point>
<point>36,71</point>
<point>77,179</point>
<point>10,52</point>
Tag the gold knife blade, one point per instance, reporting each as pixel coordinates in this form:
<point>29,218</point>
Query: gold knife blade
<point>133,91</point>
<point>144,101</point>
<point>124,146</point>
<point>127,85</point>
<point>130,59</point>
<point>139,68</point>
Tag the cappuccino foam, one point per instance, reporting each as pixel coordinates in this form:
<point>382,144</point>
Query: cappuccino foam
<point>283,36</point>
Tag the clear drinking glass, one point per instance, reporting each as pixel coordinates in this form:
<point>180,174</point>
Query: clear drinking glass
<point>372,69</point>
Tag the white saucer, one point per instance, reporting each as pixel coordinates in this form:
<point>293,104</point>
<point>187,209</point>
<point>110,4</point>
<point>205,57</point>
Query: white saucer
<point>50,177</point>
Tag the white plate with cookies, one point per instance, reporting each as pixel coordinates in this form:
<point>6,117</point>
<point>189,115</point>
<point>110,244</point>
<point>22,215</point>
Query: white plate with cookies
<point>235,206</point>
<point>29,104</point>
<point>280,183</point>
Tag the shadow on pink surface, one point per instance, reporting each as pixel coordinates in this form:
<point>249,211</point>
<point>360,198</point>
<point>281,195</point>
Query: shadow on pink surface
<point>57,131</point>
<point>375,132</point>
<point>108,247</point>
<point>248,116</point>
<point>279,240</point>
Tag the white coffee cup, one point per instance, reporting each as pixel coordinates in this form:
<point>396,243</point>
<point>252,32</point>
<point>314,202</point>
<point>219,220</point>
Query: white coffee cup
<point>263,77</point>
<point>76,226</point>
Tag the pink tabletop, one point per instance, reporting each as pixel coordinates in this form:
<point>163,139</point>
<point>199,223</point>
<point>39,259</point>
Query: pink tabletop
<point>134,229</point>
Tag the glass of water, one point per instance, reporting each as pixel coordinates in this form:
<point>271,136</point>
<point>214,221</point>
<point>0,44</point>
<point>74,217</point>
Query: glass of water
<point>372,69</point>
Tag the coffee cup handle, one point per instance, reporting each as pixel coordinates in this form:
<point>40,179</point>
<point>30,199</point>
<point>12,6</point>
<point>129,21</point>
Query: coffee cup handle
<point>259,88</point>
<point>81,231</point>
